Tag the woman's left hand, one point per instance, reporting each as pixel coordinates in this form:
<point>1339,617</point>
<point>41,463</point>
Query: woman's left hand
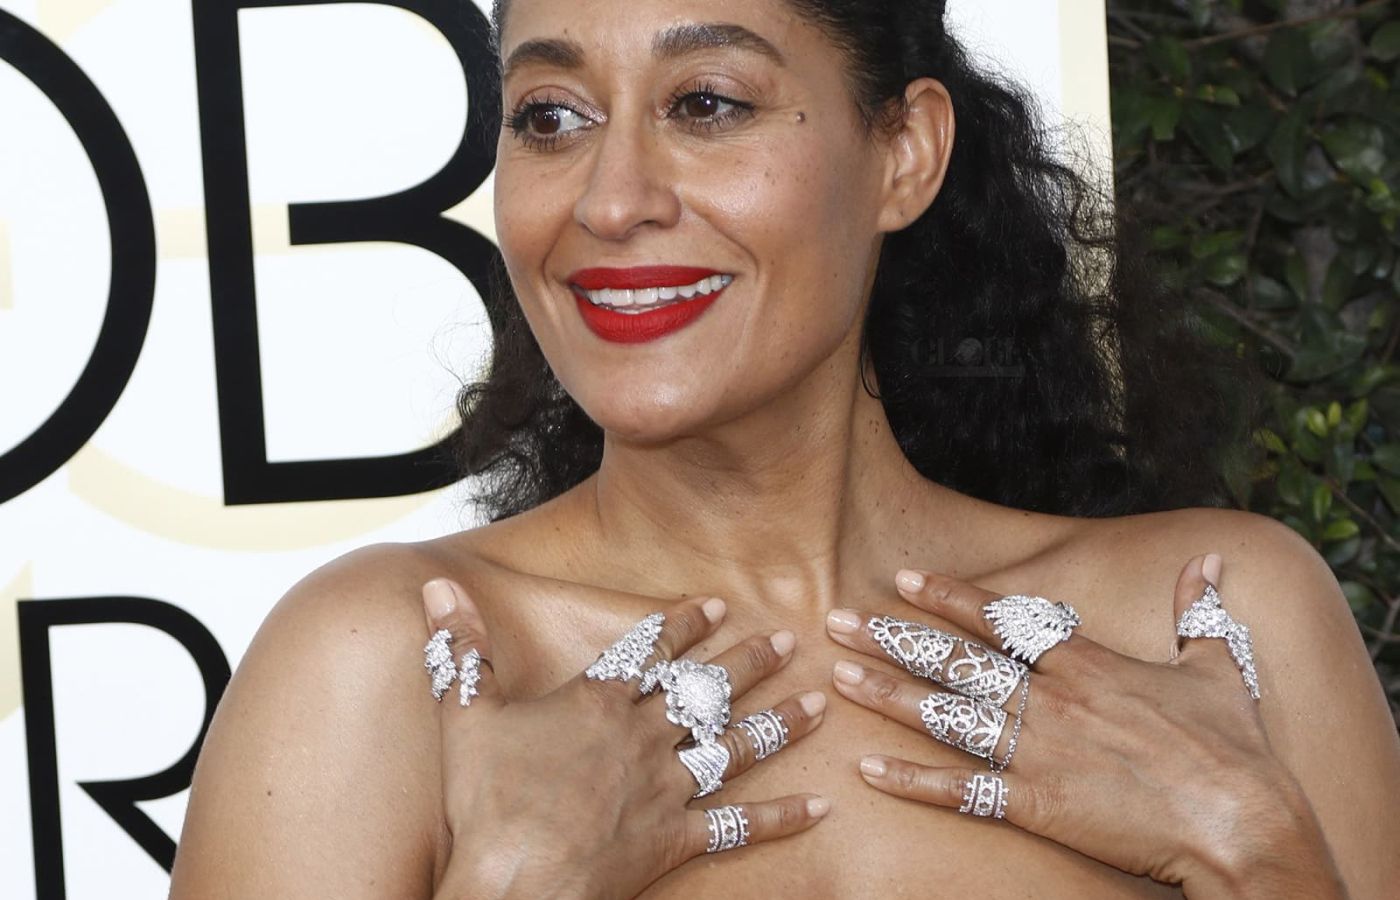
<point>1157,769</point>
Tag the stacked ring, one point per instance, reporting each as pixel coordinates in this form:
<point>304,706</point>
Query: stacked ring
<point>984,795</point>
<point>729,828</point>
<point>766,732</point>
<point>708,763</point>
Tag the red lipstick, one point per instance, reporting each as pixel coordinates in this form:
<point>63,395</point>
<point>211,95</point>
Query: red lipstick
<point>640,327</point>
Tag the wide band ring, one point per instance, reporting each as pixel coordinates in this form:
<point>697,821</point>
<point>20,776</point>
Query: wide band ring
<point>697,696</point>
<point>729,828</point>
<point>623,660</point>
<point>961,722</point>
<point>984,795</point>
<point>707,763</point>
<point>1205,617</point>
<point>766,731</point>
<point>1028,626</point>
<point>970,668</point>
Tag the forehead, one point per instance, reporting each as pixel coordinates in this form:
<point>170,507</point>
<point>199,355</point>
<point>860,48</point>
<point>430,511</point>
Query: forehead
<point>617,27</point>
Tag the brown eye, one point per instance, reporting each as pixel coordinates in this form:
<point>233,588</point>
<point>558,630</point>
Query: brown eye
<point>545,120</point>
<point>701,106</point>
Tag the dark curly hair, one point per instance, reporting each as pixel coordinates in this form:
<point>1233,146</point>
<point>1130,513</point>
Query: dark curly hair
<point>1024,351</point>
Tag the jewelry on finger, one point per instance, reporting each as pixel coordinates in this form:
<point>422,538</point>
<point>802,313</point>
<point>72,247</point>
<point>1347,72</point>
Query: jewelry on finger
<point>964,723</point>
<point>960,665</point>
<point>766,732</point>
<point>708,763</point>
<point>437,659</point>
<point>697,696</point>
<point>729,828</point>
<point>469,674</point>
<point>1028,626</point>
<point>1205,617</point>
<point>1001,764</point>
<point>623,660</point>
<point>984,795</point>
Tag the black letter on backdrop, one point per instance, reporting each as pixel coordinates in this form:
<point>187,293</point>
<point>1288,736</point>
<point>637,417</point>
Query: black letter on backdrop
<point>413,216</point>
<point>117,798</point>
<point>133,238</point>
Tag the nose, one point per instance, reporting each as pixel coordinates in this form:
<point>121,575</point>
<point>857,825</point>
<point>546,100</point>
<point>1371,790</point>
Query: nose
<point>628,187</point>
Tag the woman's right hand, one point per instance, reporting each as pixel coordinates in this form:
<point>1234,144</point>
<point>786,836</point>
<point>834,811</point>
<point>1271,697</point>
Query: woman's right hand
<point>580,793</point>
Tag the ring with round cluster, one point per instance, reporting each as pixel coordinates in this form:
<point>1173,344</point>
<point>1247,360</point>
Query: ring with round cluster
<point>697,695</point>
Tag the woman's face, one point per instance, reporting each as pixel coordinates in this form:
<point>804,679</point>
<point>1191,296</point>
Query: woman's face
<point>704,162</point>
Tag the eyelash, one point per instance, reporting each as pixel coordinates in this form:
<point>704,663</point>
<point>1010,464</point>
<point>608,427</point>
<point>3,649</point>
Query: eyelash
<point>519,120</point>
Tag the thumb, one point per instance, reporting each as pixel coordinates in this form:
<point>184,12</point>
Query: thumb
<point>459,648</point>
<point>1198,572</point>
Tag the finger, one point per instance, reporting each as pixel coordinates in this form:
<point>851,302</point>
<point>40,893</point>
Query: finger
<point>799,714</point>
<point>926,652</point>
<point>681,627</point>
<point>961,722</point>
<point>1025,803</point>
<point>463,655</point>
<point>746,664</point>
<point>1230,653</point>
<point>964,605</point>
<point>767,821</point>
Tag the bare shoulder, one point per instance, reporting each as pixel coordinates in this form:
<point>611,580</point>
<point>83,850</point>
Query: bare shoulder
<point>320,772</point>
<point>1322,704</point>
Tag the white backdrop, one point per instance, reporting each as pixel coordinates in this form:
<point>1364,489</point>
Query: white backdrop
<point>119,553</point>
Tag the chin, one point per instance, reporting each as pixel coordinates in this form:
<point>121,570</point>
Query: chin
<point>651,416</point>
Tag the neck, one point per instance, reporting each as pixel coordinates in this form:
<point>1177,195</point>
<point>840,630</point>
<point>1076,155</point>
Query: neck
<point>804,504</point>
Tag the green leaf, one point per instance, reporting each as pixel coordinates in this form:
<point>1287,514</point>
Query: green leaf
<point>1168,56</point>
<point>1340,530</point>
<point>1387,457</point>
<point>1339,554</point>
<point>1357,147</point>
<point>1356,414</point>
<point>1287,148</point>
<point>1317,422</point>
<point>1321,501</point>
<point>1358,595</point>
<point>1267,439</point>
<point>1334,414</point>
<point>1390,490</point>
<point>1287,59</point>
<point>1267,294</point>
<point>1385,43</point>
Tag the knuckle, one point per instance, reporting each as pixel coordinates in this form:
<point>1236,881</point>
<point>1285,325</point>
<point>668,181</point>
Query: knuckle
<point>758,655</point>
<point>906,779</point>
<point>940,591</point>
<point>1055,700</point>
<point>791,814</point>
<point>881,690</point>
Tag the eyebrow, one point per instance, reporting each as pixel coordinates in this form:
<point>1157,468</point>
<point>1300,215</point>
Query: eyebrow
<point>677,41</point>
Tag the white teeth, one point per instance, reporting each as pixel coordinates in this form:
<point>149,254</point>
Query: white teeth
<point>645,298</point>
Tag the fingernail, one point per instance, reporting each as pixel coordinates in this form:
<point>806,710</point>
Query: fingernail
<point>849,672</point>
<point>818,807</point>
<point>842,621</point>
<point>909,580</point>
<point>812,702</point>
<point>1210,568</point>
<point>439,599</point>
<point>713,609</point>
<point>873,766</point>
<point>783,642</point>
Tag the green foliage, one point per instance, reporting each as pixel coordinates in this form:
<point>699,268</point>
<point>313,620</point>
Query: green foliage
<point>1260,141</point>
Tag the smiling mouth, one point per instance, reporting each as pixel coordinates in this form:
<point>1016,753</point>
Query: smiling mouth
<point>636,301</point>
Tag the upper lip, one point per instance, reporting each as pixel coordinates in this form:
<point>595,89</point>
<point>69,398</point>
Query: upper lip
<point>639,277</point>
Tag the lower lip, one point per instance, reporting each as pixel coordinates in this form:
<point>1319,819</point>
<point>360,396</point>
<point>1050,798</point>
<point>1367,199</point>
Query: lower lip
<point>638,328</point>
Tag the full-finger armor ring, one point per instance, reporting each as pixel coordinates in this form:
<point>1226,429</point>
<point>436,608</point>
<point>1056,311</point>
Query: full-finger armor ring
<point>1028,626</point>
<point>729,828</point>
<point>1207,618</point>
<point>623,660</point>
<point>437,659</point>
<point>967,667</point>
<point>984,795</point>
<point>697,696</point>
<point>964,723</point>
<point>708,763</point>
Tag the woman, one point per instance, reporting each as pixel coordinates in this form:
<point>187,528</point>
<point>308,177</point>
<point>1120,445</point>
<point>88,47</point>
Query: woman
<point>784,189</point>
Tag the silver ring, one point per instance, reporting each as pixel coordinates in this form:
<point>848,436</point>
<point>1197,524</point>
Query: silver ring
<point>437,659</point>
<point>469,674</point>
<point>1028,626</point>
<point>964,723</point>
<point>984,795</point>
<point>1205,617</point>
<point>708,763</point>
<point>697,696</point>
<point>623,660</point>
<point>967,667</point>
<point>766,732</point>
<point>729,828</point>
